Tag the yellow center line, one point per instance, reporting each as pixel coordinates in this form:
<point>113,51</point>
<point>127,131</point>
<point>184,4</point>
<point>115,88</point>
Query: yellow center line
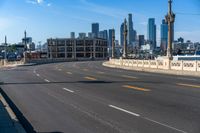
<point>189,85</point>
<point>69,73</point>
<point>130,77</point>
<point>90,78</point>
<point>136,88</point>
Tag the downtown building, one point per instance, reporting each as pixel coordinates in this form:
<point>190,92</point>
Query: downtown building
<point>95,29</point>
<point>122,34</point>
<point>151,33</point>
<point>77,48</point>
<point>164,35</point>
<point>131,37</point>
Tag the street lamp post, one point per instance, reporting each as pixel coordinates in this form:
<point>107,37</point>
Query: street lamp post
<point>170,19</point>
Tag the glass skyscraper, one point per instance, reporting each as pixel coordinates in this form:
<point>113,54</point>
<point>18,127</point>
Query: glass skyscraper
<point>151,32</point>
<point>164,35</point>
<point>131,33</point>
<point>103,34</point>
<point>122,34</point>
<point>95,29</point>
<point>110,36</point>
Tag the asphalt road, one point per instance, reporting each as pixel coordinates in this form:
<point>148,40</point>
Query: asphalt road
<point>86,97</point>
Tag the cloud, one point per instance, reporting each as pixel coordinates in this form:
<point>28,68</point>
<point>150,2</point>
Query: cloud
<point>31,2</point>
<point>49,4</point>
<point>38,2</point>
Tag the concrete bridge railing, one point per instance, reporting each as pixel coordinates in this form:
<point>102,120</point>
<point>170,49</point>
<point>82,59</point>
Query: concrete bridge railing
<point>10,63</point>
<point>157,64</point>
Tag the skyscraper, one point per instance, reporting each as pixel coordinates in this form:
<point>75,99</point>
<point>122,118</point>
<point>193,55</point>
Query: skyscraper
<point>141,40</point>
<point>72,35</point>
<point>151,32</point>
<point>164,35</point>
<point>131,36</point>
<point>103,34</point>
<point>82,35</point>
<point>122,34</point>
<point>95,29</point>
<point>110,37</point>
<point>100,34</point>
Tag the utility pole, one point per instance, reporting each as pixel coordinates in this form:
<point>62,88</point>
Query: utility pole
<point>5,58</point>
<point>125,39</point>
<point>113,43</point>
<point>25,46</point>
<point>170,19</point>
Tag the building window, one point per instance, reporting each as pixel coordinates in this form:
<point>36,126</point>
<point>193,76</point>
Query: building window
<point>80,55</point>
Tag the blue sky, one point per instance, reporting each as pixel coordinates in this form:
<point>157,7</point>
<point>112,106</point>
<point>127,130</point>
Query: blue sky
<point>57,18</point>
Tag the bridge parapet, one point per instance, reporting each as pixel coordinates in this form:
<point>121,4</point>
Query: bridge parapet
<point>158,64</point>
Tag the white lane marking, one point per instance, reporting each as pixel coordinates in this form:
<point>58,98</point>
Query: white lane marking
<point>187,79</point>
<point>38,75</point>
<point>165,125</point>
<point>99,72</point>
<point>126,111</point>
<point>34,71</point>
<point>127,76</point>
<point>59,69</point>
<point>46,80</point>
<point>68,90</point>
<point>69,73</point>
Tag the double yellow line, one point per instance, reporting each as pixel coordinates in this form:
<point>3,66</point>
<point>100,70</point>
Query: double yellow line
<point>188,85</point>
<point>90,78</point>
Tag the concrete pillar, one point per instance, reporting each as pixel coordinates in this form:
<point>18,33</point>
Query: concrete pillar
<point>125,39</point>
<point>51,45</point>
<point>65,49</point>
<point>94,48</point>
<point>74,49</point>
<point>113,43</point>
<point>84,48</point>
<point>170,19</point>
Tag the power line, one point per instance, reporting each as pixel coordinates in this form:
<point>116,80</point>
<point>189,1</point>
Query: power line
<point>194,14</point>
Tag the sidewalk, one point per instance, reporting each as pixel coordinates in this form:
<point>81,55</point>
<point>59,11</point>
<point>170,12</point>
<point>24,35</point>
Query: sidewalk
<point>8,121</point>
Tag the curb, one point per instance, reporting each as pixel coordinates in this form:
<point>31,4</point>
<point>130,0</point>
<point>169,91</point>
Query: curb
<point>17,125</point>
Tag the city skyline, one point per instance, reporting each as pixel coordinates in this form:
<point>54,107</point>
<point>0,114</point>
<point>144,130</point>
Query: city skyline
<point>48,18</point>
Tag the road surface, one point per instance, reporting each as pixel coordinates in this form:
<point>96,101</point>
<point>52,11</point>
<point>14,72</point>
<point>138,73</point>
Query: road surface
<point>86,97</point>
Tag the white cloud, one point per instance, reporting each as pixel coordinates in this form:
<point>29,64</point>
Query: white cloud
<point>49,4</point>
<point>31,2</point>
<point>38,2</point>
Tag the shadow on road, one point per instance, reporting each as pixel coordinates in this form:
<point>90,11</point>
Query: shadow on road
<point>25,123</point>
<point>74,82</point>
